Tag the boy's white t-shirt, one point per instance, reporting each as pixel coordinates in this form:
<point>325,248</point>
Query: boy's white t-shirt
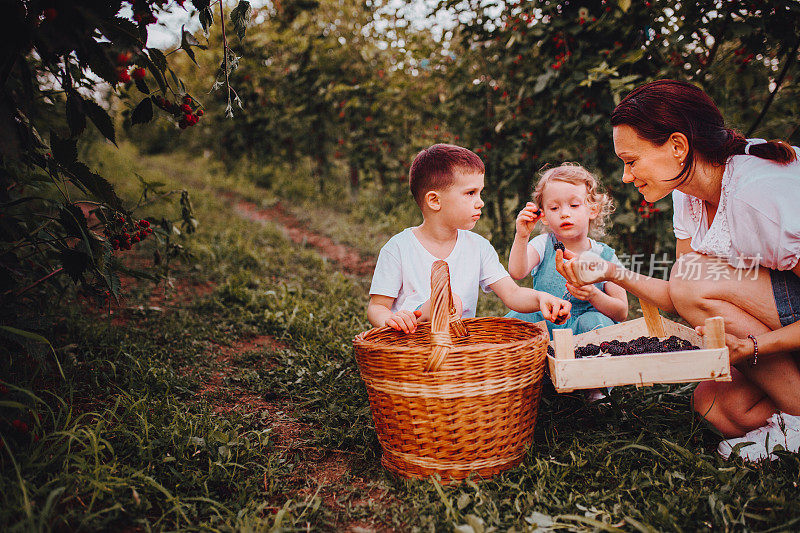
<point>403,270</point>
<point>758,217</point>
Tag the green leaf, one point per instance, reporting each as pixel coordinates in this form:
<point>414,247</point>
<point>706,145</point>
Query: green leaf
<point>101,120</point>
<point>142,86</point>
<point>97,56</point>
<point>240,16</point>
<point>65,151</point>
<point>158,58</point>
<point>157,66</point>
<point>143,112</point>
<point>187,41</point>
<point>76,119</point>
<point>73,221</point>
<point>25,334</point>
<point>206,18</point>
<point>122,32</point>
<point>95,184</point>
<point>75,263</point>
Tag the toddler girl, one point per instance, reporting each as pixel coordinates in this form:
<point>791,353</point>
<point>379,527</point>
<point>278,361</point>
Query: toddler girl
<point>569,203</point>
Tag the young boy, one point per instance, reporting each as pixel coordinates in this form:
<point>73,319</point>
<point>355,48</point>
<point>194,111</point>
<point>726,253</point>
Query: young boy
<point>446,182</point>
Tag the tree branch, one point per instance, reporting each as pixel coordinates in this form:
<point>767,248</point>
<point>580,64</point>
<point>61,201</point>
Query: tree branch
<point>778,81</point>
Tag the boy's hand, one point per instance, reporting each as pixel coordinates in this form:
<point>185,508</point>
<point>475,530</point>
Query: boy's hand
<point>404,320</point>
<point>554,309</point>
<point>584,293</point>
<point>527,219</point>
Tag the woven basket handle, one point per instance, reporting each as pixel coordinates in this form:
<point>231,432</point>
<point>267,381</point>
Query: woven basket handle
<point>443,316</point>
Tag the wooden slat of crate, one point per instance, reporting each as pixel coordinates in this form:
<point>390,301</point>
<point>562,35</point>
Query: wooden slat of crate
<point>644,369</point>
<point>712,362</point>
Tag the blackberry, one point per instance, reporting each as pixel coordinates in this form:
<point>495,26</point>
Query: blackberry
<point>550,351</point>
<point>604,346</point>
<point>591,349</point>
<point>558,245</point>
<point>579,352</point>
<point>617,349</point>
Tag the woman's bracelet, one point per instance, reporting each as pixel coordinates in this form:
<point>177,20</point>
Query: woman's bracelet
<point>755,349</point>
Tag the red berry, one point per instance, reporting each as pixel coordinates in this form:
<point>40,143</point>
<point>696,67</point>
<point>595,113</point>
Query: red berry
<point>186,108</point>
<point>187,99</point>
<point>123,58</point>
<point>144,224</point>
<point>135,239</point>
<point>50,13</point>
<point>139,73</point>
<point>124,77</point>
<point>199,112</point>
<point>20,426</point>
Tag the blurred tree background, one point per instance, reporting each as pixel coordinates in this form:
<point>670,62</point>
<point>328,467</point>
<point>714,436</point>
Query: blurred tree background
<point>352,90</point>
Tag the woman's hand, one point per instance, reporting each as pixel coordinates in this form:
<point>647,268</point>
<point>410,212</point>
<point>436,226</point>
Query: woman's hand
<point>580,270</point>
<point>738,349</point>
<point>527,219</point>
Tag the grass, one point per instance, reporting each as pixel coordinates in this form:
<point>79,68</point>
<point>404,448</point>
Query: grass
<point>129,441</point>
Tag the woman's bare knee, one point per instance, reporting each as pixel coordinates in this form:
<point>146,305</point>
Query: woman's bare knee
<point>704,398</point>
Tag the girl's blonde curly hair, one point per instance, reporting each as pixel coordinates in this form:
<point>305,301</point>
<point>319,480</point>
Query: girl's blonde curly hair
<point>595,196</point>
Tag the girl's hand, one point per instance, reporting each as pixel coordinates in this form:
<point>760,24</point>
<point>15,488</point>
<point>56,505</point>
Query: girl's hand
<point>554,309</point>
<point>582,293</point>
<point>527,219</point>
<point>404,320</point>
<point>738,349</point>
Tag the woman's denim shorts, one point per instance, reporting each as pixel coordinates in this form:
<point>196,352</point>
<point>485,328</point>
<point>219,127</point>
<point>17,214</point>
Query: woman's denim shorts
<point>786,288</point>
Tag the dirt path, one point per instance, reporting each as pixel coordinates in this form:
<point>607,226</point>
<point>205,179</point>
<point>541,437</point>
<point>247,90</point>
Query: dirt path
<point>348,259</point>
<point>328,474</point>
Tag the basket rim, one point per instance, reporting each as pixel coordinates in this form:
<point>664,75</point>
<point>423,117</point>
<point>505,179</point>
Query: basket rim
<point>363,340</point>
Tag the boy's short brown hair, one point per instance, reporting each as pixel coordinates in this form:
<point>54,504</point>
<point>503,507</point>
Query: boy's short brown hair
<point>434,168</point>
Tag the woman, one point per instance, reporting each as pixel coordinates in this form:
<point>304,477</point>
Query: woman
<point>737,204</point>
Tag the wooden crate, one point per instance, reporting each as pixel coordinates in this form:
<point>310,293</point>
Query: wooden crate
<point>710,362</point>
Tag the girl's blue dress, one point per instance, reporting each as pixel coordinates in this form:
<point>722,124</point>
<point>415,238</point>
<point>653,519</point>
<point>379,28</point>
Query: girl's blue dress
<point>583,315</point>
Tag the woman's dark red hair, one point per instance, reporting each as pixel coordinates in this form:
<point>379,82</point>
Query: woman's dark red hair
<point>660,108</point>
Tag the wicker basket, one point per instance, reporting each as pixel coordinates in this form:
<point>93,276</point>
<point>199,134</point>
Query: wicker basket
<point>453,404</point>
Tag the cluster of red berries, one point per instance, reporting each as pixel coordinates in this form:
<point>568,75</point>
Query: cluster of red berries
<point>125,235</point>
<point>50,14</point>
<point>145,17</point>
<point>524,20</point>
<point>562,57</point>
<point>487,146</point>
<point>647,209</point>
<point>124,73</point>
<point>188,113</point>
<point>741,59</point>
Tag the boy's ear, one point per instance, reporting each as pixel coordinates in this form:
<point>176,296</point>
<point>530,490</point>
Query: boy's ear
<point>433,200</point>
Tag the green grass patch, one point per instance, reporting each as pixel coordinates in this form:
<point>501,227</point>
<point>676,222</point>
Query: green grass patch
<point>126,441</point>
